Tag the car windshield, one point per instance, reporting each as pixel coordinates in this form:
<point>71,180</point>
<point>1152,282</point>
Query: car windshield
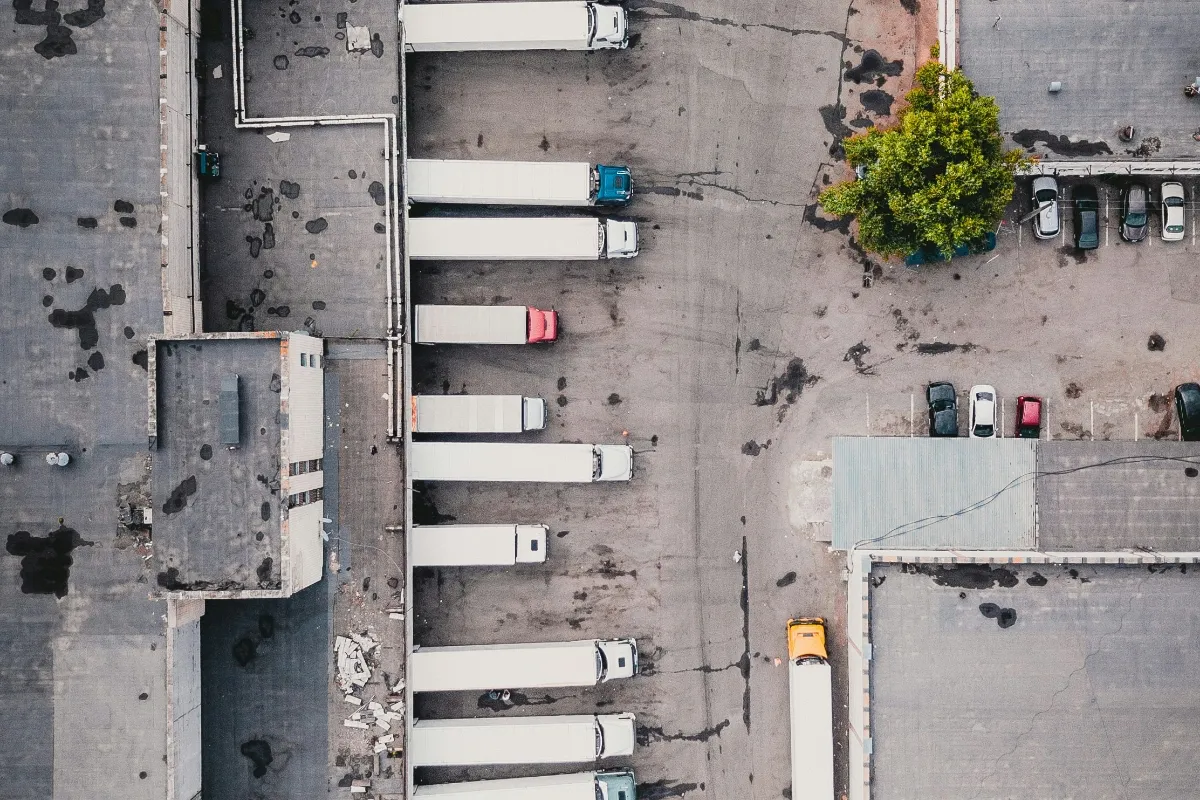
<point>984,396</point>
<point>984,430</point>
<point>1044,195</point>
<point>1174,229</point>
<point>1173,201</point>
<point>1135,219</point>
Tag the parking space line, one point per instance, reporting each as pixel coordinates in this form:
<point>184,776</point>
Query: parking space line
<point>912,404</point>
<point>1046,417</point>
<point>1093,418</point>
<point>1001,417</point>
<point>1105,191</point>
<point>1136,426</point>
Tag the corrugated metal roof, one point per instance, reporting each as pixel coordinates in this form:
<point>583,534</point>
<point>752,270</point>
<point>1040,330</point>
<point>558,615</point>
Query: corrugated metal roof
<point>891,492</point>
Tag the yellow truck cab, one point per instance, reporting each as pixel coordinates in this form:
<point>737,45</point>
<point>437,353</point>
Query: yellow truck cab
<point>806,639</point>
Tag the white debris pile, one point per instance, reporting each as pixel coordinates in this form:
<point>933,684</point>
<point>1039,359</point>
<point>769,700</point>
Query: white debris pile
<point>350,655</point>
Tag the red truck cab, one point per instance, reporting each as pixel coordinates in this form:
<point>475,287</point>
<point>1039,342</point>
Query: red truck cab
<point>543,325</point>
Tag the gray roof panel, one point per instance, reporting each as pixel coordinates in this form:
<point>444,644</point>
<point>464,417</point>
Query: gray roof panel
<point>913,493</point>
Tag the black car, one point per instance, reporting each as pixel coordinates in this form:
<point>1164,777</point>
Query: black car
<point>1135,213</point>
<point>1087,217</point>
<point>943,409</point>
<point>1187,408</point>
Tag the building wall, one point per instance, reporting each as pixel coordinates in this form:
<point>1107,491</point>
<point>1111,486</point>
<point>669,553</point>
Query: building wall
<point>183,632</point>
<point>304,544</point>
<point>304,397</point>
<point>178,34</point>
<point>303,419</point>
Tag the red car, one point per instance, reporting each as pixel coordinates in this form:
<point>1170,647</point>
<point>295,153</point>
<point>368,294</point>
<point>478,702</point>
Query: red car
<point>1029,417</point>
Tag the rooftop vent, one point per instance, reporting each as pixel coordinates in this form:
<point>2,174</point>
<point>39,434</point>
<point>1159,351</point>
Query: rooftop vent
<point>230,405</point>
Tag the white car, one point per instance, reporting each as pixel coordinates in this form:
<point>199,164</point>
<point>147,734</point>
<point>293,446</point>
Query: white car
<point>983,412</point>
<point>1172,211</point>
<point>1045,197</point>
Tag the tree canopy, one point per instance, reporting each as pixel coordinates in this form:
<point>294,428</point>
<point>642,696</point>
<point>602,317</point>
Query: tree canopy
<point>940,177</point>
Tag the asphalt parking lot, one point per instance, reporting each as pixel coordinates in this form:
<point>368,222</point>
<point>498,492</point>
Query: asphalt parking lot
<point>748,332</point>
<point>1119,64</point>
<point>1047,681</point>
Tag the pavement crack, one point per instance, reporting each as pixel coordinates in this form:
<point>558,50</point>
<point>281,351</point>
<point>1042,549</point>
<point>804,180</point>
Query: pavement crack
<point>673,11</point>
<point>1059,692</point>
<point>740,193</point>
<point>744,662</point>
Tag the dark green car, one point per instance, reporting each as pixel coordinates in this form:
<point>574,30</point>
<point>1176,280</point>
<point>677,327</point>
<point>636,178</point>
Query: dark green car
<point>930,254</point>
<point>1087,217</point>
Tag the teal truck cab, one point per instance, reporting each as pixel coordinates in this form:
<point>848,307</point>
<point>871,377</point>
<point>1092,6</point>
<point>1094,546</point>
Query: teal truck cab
<point>614,185</point>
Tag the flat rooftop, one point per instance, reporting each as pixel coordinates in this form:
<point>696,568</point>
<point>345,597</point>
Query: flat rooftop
<point>1034,681</point>
<point>1120,63</point>
<point>216,508</point>
<point>264,668</point>
<point>80,210</point>
<point>1104,496</point>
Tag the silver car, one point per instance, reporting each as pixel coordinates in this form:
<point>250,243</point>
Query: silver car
<point>1045,200</point>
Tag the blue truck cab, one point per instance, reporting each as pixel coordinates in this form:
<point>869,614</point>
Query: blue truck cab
<point>614,185</point>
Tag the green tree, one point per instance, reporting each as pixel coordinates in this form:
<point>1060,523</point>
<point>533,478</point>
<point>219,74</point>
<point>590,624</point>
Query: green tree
<point>940,177</point>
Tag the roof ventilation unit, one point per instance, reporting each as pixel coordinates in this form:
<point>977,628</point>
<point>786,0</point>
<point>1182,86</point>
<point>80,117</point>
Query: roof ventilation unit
<point>230,405</point>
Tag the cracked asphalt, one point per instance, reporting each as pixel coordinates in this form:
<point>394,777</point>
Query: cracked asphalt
<point>750,330</point>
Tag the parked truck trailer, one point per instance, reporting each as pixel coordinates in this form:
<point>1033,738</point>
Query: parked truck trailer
<point>607,785</point>
<point>520,238</point>
<point>517,183</point>
<point>520,462</point>
<point>811,710</point>
<point>477,413</point>
<point>559,25</point>
<point>536,665</point>
<point>520,740</point>
<point>483,325</point>
<point>478,545</point>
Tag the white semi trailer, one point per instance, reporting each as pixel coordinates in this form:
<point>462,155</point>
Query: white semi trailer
<point>483,325</point>
<point>559,25</point>
<point>607,785</point>
<point>477,413</point>
<point>536,665</point>
<point>478,545</point>
<point>810,693</point>
<point>520,740</point>
<point>520,238</point>
<point>520,462</point>
<point>517,183</point>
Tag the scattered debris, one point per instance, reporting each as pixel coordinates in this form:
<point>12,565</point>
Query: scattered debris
<point>278,136</point>
<point>1156,343</point>
<point>358,38</point>
<point>352,669</point>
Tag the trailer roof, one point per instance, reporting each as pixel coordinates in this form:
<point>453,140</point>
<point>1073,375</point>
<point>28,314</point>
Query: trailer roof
<point>437,23</point>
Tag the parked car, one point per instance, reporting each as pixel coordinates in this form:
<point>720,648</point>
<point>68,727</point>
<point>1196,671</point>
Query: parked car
<point>930,253</point>
<point>1087,217</point>
<point>1045,196</point>
<point>1187,408</point>
<point>983,412</point>
<point>1029,417</point>
<point>1135,213</point>
<point>943,409</point>
<point>1172,211</point>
